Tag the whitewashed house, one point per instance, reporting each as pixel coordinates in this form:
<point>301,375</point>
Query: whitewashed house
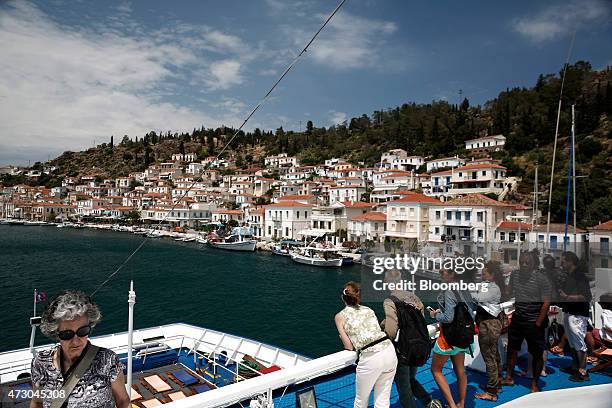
<point>486,144</point>
<point>285,220</point>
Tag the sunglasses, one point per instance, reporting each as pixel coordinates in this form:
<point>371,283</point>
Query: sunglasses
<point>69,334</point>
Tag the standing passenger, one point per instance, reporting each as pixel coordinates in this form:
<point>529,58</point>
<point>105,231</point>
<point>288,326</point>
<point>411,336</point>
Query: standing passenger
<point>489,327</point>
<point>449,300</point>
<point>531,291</point>
<point>359,330</point>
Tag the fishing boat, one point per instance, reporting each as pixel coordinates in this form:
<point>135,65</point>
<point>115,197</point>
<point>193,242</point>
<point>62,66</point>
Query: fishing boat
<point>286,247</point>
<point>314,256</point>
<point>240,239</point>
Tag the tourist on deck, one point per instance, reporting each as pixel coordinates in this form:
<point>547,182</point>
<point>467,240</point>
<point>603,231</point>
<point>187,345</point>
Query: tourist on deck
<point>408,387</point>
<point>576,297</point>
<point>448,300</point>
<point>488,311</point>
<point>360,331</point>
<point>69,320</point>
<point>531,290</point>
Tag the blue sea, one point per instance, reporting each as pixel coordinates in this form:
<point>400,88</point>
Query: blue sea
<point>257,295</point>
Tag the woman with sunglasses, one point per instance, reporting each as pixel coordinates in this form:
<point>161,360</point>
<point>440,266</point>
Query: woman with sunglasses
<point>69,319</point>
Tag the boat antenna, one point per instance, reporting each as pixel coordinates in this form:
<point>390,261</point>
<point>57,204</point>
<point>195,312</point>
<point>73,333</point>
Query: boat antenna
<point>552,169</point>
<point>255,109</point>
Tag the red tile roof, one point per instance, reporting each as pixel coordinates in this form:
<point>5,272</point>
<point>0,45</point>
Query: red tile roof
<point>415,198</point>
<point>355,204</point>
<point>513,225</point>
<point>289,204</point>
<point>371,216</point>
<point>476,200</point>
<point>606,226</point>
<point>480,166</point>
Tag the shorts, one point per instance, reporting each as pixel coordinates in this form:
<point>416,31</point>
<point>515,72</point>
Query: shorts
<point>443,348</point>
<point>576,329</point>
<point>524,330</point>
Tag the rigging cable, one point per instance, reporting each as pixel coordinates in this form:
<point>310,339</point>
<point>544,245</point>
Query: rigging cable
<point>552,170</point>
<point>255,109</point>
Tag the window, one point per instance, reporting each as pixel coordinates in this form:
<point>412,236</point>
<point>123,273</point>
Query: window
<point>604,245</point>
<point>460,174</point>
<point>468,216</point>
<point>437,230</point>
<point>437,215</point>
<point>512,236</point>
<point>502,236</point>
<point>522,236</point>
<point>458,215</point>
<point>269,230</point>
<point>412,212</point>
<point>449,216</point>
<point>286,231</point>
<point>297,215</point>
<point>541,238</point>
<point>474,175</point>
<point>479,216</point>
<point>484,172</point>
<point>480,234</point>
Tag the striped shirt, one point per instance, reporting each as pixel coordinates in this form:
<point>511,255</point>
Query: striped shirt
<point>529,291</point>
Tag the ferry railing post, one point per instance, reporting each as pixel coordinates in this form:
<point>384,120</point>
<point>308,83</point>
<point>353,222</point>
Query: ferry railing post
<point>131,302</point>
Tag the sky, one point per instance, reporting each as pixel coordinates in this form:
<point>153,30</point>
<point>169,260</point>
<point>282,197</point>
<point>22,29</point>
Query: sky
<point>73,73</point>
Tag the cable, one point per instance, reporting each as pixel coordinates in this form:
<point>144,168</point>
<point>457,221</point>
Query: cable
<point>259,104</point>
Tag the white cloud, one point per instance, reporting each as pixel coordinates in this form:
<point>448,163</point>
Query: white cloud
<point>61,87</point>
<point>336,118</point>
<point>224,74</point>
<point>349,41</point>
<point>561,19</point>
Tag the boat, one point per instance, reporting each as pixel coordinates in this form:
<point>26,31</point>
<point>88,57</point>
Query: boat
<point>314,256</point>
<point>286,247</point>
<point>186,366</point>
<point>240,239</point>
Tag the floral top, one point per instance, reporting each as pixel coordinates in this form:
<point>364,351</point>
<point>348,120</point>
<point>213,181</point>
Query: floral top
<point>362,328</point>
<point>92,391</point>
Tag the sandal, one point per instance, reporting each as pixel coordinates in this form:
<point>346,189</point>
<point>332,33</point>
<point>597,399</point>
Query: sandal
<point>592,360</point>
<point>557,350</point>
<point>485,396</point>
<point>507,382</point>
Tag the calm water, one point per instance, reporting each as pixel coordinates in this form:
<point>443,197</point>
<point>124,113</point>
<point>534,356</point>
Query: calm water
<point>257,295</point>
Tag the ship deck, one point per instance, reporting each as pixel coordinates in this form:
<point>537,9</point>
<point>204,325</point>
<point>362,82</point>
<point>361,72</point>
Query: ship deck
<point>182,376</point>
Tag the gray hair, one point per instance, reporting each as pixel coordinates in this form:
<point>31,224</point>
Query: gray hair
<point>68,305</point>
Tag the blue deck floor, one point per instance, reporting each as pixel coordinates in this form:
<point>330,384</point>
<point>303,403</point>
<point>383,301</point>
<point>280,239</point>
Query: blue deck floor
<point>340,392</point>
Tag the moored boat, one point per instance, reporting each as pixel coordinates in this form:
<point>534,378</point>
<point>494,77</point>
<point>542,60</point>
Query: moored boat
<point>328,257</point>
<point>241,239</point>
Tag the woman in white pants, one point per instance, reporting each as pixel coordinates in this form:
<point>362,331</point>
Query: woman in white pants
<point>359,330</point>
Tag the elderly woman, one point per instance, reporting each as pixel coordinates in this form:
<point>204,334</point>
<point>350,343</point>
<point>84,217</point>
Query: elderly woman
<point>69,320</point>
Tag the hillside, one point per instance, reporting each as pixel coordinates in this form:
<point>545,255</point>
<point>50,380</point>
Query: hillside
<point>526,116</point>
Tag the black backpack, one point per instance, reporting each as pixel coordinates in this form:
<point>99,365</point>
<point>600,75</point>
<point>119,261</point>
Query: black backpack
<point>460,332</point>
<point>413,345</point>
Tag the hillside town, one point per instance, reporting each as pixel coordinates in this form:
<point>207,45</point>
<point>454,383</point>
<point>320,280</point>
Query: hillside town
<point>463,201</point>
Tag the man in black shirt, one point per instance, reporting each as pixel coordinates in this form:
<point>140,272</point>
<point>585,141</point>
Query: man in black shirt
<point>575,296</point>
<point>531,290</point>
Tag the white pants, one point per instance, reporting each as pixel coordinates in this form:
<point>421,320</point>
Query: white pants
<point>375,370</point>
<point>576,329</point>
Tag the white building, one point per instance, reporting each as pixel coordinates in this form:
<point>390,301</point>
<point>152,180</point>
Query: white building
<point>478,179</point>
<point>398,159</point>
<point>345,193</point>
<point>286,219</point>
<point>599,242</point>
<point>486,144</point>
<point>281,160</point>
<point>408,217</point>
<point>367,227</point>
<point>444,163</point>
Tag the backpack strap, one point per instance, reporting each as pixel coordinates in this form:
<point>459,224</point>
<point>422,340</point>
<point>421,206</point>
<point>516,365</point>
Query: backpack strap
<point>76,376</point>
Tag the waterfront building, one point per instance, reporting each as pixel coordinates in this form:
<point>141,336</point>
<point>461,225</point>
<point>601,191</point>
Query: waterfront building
<point>367,227</point>
<point>285,219</point>
<point>408,218</point>
<point>444,162</point>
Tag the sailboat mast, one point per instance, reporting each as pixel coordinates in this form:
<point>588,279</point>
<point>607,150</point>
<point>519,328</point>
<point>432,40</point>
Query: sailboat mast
<point>574,172</point>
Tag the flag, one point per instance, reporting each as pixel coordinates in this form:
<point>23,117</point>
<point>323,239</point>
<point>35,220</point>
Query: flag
<point>41,297</point>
